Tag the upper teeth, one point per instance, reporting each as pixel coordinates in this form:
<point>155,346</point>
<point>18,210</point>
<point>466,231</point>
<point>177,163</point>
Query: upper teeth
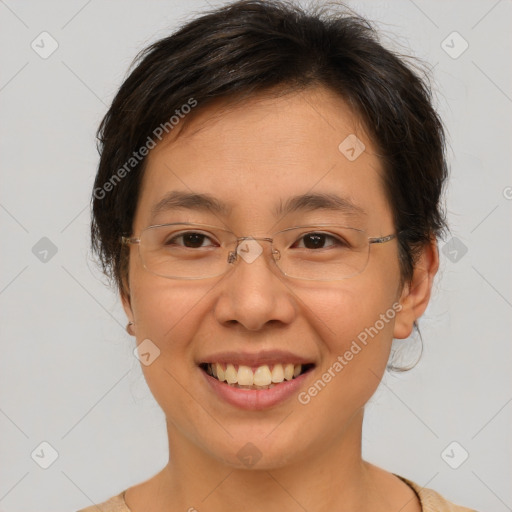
<point>262,376</point>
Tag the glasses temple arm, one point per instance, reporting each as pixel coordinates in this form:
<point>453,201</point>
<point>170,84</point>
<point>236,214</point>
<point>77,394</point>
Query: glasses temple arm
<point>381,239</point>
<point>127,240</point>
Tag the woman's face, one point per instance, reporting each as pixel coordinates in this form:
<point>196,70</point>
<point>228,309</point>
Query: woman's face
<point>253,158</point>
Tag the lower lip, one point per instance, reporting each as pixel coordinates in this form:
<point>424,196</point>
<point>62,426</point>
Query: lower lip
<point>256,399</point>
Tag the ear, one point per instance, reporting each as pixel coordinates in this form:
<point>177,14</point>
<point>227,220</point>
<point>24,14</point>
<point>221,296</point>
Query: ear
<point>416,294</point>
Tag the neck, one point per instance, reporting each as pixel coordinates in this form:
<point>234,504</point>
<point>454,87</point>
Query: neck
<point>330,476</point>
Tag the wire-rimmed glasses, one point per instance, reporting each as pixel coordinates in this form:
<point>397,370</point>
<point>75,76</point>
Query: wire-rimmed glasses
<point>320,252</point>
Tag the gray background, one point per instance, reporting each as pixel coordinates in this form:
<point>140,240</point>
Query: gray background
<point>67,373</point>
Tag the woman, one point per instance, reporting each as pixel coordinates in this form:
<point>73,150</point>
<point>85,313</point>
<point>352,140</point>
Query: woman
<point>268,203</point>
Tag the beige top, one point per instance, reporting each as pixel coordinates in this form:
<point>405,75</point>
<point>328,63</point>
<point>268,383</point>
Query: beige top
<point>430,501</point>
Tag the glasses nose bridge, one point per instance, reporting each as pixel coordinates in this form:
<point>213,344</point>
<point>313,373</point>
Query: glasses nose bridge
<point>233,255</point>
<point>264,238</point>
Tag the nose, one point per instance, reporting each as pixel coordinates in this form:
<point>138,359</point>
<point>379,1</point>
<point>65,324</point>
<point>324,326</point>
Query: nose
<point>253,293</point>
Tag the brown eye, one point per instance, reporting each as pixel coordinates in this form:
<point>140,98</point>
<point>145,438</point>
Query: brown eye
<point>191,240</point>
<point>319,241</point>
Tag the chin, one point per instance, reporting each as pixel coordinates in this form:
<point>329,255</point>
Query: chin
<point>258,452</point>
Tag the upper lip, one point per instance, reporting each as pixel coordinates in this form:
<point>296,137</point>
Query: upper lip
<point>256,359</point>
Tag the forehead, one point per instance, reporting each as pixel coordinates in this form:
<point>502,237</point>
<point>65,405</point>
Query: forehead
<point>255,155</point>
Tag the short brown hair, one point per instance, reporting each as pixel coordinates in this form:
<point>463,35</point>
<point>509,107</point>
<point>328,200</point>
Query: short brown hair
<point>252,46</point>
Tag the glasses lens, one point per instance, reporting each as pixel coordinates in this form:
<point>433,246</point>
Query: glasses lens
<point>198,251</point>
<point>323,253</point>
<point>185,251</point>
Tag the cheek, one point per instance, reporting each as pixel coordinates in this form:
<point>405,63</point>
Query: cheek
<point>363,308</point>
<point>165,310</point>
<point>357,331</point>
<point>355,321</point>
<point>167,314</point>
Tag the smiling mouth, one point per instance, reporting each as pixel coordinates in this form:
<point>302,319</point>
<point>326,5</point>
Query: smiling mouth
<point>261,377</point>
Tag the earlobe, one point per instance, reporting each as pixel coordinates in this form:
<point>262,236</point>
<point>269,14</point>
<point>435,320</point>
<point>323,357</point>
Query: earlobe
<point>416,294</point>
<point>129,328</point>
<point>125,299</point>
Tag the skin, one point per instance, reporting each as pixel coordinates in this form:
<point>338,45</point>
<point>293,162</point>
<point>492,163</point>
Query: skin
<point>253,156</point>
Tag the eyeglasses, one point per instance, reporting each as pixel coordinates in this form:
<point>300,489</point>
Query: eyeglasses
<point>324,252</point>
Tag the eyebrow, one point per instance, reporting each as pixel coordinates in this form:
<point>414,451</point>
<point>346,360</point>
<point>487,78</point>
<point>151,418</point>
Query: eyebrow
<point>319,201</point>
<point>305,202</point>
<point>191,201</point>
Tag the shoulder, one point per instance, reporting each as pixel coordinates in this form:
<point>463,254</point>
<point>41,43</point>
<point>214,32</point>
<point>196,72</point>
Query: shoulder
<point>431,501</point>
<point>114,504</point>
